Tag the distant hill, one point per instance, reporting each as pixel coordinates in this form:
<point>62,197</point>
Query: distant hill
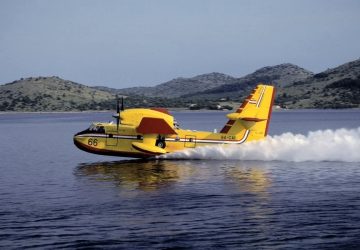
<point>217,85</point>
<point>334,88</point>
<point>296,88</point>
<point>279,76</point>
<point>181,86</point>
<point>50,94</point>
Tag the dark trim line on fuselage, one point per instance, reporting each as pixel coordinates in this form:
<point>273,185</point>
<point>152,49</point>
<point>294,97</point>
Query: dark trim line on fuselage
<point>133,137</point>
<point>143,153</point>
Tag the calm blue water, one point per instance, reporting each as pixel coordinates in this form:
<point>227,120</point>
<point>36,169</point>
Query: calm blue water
<point>54,196</point>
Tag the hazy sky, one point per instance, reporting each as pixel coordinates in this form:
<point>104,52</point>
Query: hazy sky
<point>120,43</point>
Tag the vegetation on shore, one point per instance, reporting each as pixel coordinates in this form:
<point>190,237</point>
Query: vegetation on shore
<point>296,88</point>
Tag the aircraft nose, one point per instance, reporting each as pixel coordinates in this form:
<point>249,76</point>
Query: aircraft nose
<point>77,141</point>
<point>76,138</point>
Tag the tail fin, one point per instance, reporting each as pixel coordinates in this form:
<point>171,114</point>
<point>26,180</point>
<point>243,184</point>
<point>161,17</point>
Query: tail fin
<point>253,115</point>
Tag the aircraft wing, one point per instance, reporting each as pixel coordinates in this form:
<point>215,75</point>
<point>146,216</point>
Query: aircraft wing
<point>149,125</point>
<point>151,128</point>
<point>147,148</point>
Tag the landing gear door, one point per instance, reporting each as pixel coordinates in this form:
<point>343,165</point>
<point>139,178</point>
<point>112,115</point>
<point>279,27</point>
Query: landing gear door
<point>111,138</point>
<point>190,141</point>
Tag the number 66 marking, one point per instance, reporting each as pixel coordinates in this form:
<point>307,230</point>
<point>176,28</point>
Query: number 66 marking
<point>93,142</point>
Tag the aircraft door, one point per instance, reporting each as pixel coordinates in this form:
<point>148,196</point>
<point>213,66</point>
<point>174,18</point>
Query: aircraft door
<point>111,140</point>
<point>190,141</point>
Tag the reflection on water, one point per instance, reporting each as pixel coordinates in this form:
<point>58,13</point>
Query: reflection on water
<point>135,174</point>
<point>148,175</point>
<point>250,179</point>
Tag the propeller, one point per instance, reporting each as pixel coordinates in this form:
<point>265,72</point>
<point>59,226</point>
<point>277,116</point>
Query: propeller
<point>122,104</point>
<point>117,105</point>
<point>118,110</point>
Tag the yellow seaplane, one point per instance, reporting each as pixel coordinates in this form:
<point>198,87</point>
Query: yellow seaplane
<point>144,133</point>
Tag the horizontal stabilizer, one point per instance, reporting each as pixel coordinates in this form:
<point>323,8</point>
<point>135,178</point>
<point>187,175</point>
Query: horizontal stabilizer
<point>236,116</point>
<point>252,119</point>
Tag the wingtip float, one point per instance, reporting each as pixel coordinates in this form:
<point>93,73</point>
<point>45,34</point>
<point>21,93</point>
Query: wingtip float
<point>144,133</point>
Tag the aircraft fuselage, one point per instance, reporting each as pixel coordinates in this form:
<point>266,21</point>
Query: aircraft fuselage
<point>144,133</point>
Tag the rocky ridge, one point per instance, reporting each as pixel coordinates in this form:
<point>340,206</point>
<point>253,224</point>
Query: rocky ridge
<point>333,88</point>
<point>181,86</point>
<point>50,94</point>
<point>296,88</point>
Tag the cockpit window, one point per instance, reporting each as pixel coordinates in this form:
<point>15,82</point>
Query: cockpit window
<point>92,127</point>
<point>96,129</point>
<point>101,129</point>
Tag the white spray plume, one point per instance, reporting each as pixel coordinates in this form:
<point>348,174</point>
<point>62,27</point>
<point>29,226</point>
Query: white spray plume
<point>324,145</point>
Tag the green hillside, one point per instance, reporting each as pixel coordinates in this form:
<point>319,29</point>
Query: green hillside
<point>51,94</point>
<point>334,88</point>
<point>296,88</point>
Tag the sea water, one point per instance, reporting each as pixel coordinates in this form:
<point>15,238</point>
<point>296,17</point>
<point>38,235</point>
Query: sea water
<point>299,189</point>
